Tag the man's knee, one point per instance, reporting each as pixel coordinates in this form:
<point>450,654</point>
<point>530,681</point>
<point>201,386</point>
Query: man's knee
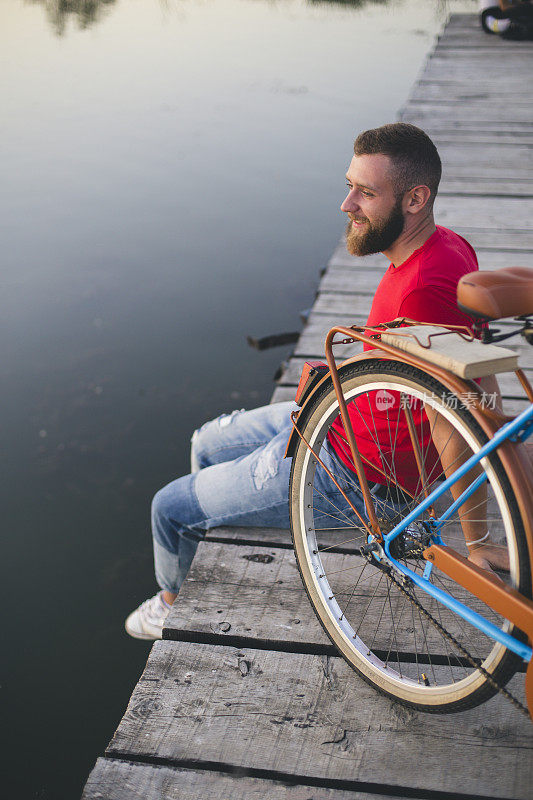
<point>207,438</point>
<point>162,505</point>
<point>176,511</point>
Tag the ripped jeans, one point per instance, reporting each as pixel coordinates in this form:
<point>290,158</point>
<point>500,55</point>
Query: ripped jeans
<point>239,478</point>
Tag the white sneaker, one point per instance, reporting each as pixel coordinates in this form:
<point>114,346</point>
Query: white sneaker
<point>146,622</point>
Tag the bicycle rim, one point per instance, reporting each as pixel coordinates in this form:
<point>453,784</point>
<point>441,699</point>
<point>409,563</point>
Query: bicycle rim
<point>378,630</point>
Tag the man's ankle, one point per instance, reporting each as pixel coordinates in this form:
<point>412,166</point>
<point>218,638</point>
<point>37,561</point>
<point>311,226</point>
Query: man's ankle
<point>168,597</point>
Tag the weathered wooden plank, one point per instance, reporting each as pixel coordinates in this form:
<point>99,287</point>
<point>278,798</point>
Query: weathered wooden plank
<point>465,24</point>
<point>460,45</point>
<point>114,779</point>
<point>506,238</point>
<point>366,265</point>
<point>346,305</point>
<point>324,322</point>
<point>473,34</point>
<point>444,67</point>
<point>483,45</point>
<point>470,29</point>
<point>477,137</point>
<point>282,393</point>
<point>468,23</point>
<point>484,55</point>
<point>515,57</point>
<point>470,125</point>
<point>470,132</point>
<point>253,596</point>
<point>475,171</point>
<point>460,21</point>
<point>311,342</point>
<point>514,406</point>
<point>418,113</point>
<point>507,215</point>
<point>489,160</point>
<point>348,280</point>
<point>291,372</point>
<point>486,187</point>
<point>248,594</point>
<point>482,116</point>
<point>470,33</point>
<point>311,716</point>
<point>524,350</point>
<point>510,385</point>
<point>457,91</point>
<point>343,304</point>
<point>441,67</point>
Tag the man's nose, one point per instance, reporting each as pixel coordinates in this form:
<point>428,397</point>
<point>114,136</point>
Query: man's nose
<point>350,203</point>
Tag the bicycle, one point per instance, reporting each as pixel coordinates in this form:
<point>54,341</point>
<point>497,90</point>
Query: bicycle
<point>385,562</point>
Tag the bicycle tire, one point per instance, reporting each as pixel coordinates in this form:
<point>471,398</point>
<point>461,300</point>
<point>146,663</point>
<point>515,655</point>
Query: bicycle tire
<point>321,555</point>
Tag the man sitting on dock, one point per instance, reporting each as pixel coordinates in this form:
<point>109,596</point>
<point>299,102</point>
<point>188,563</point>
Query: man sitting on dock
<point>239,476</point>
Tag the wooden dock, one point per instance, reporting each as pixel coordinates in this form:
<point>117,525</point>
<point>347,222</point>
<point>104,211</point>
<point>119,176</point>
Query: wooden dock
<point>245,697</point>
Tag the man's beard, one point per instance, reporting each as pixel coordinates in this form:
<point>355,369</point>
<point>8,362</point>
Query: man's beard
<point>378,237</point>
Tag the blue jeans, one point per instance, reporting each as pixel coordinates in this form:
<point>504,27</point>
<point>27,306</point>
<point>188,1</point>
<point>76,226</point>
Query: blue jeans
<point>239,478</point>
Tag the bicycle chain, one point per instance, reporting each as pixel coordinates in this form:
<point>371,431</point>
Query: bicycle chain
<point>447,635</point>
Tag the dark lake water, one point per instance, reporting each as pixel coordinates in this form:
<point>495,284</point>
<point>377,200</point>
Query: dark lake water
<point>171,174</point>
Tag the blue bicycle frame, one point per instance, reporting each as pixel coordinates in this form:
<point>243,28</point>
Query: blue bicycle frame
<point>518,429</point>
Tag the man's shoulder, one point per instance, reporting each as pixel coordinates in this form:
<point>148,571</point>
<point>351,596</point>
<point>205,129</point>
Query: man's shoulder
<point>449,257</point>
<point>453,244</point>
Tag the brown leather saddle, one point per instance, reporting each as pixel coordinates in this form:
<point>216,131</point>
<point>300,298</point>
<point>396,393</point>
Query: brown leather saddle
<point>493,295</point>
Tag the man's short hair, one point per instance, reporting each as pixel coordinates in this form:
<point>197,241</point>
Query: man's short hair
<point>415,158</point>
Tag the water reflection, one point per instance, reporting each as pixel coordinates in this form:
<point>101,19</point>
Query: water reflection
<point>84,12</point>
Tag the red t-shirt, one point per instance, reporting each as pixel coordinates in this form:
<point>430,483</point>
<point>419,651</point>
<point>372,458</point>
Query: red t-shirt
<point>423,288</point>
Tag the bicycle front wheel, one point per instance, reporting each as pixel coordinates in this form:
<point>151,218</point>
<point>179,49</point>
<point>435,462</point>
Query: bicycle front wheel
<point>410,431</point>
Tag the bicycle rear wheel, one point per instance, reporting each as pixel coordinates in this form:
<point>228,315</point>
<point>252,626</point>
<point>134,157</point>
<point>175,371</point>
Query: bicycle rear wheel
<point>384,636</point>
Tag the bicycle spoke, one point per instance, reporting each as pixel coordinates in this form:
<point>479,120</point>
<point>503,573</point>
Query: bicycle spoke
<point>369,604</point>
<point>394,634</point>
<point>328,500</point>
<point>416,643</point>
<point>337,544</point>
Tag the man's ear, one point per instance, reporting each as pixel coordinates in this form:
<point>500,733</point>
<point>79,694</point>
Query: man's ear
<point>416,199</point>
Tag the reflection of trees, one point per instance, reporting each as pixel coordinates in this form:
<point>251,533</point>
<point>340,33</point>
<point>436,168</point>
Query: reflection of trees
<point>85,12</point>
